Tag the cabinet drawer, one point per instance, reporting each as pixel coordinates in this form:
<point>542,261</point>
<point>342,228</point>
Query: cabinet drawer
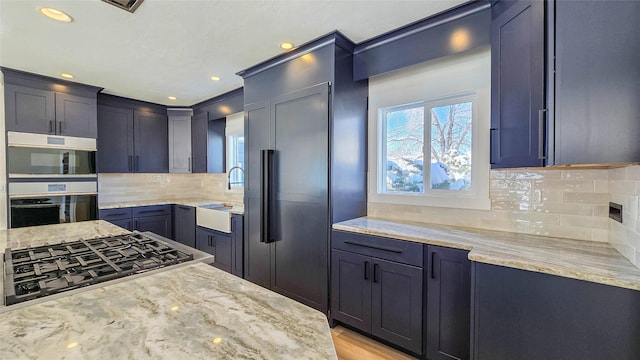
<point>384,248</point>
<point>153,210</point>
<point>115,214</point>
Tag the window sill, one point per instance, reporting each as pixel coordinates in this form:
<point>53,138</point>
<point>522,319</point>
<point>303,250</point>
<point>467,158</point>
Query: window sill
<point>457,202</point>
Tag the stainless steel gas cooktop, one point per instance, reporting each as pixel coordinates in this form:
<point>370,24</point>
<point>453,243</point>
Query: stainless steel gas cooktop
<point>36,272</point>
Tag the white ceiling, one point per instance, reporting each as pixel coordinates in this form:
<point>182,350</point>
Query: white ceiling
<point>173,47</point>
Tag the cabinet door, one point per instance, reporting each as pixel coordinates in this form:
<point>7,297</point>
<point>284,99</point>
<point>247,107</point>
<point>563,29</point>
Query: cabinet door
<point>517,86</point>
<point>29,110</point>
<point>237,240</point>
<point>222,249</point>
<point>180,144</point>
<point>448,303</point>
<point>160,225</point>
<point>597,82</point>
<point>351,289</point>
<point>203,240</point>
<point>151,142</point>
<point>115,140</point>
<point>396,304</point>
<point>199,143</point>
<point>300,194</point>
<point>257,253</point>
<point>76,116</point>
<point>125,224</point>
<point>216,146</point>
<point>185,225</point>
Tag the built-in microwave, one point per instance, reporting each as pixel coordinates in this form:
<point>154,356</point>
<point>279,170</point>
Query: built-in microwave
<point>46,156</point>
<point>44,202</point>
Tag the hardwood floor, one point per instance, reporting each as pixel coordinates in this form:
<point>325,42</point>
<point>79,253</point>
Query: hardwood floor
<point>352,346</point>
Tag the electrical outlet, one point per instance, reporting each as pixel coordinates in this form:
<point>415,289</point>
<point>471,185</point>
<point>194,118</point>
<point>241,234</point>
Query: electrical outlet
<point>615,212</point>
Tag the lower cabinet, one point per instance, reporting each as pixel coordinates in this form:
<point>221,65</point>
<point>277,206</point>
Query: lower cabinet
<point>521,314</point>
<point>237,243</point>
<point>184,225</point>
<point>447,326</point>
<point>217,244</point>
<point>156,219</point>
<point>375,294</point>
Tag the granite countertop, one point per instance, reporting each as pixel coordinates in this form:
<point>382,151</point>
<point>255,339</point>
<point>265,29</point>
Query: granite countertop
<point>236,209</point>
<point>195,312</point>
<point>584,260</point>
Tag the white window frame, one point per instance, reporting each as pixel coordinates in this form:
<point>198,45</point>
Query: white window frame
<point>412,87</point>
<point>234,126</point>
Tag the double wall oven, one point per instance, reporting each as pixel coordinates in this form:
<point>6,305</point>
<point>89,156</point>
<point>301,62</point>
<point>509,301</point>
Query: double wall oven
<point>51,180</point>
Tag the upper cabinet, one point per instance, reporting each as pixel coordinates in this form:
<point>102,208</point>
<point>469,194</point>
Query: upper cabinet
<point>517,85</point>
<point>37,104</point>
<point>597,84</point>
<point>571,99</point>
<point>132,136</point>
<point>199,143</point>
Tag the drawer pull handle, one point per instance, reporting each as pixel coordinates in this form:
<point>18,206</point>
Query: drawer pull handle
<point>150,211</point>
<point>375,271</point>
<point>366,270</point>
<point>393,250</point>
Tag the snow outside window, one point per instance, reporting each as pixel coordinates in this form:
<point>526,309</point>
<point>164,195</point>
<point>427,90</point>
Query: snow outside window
<point>234,131</point>
<point>429,133</point>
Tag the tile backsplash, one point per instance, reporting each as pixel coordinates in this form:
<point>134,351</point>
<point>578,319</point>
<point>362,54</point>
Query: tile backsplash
<point>624,184</point>
<point>559,203</point>
<point>150,187</point>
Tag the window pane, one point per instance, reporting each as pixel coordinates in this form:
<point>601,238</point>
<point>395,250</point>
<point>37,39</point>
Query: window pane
<point>451,146</point>
<point>404,149</point>
<point>236,159</point>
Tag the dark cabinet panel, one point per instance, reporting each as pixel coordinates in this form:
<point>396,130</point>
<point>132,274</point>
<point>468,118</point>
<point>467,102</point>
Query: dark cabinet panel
<point>76,116</point>
<point>125,224</point>
<point>381,297</point>
<point>217,244</point>
<point>159,224</point>
<point>526,315</point>
<point>29,110</point>
<point>199,143</point>
<point>517,86</point>
<point>151,139</point>
<point>351,289</point>
<point>257,254</point>
<point>115,139</point>
<point>447,330</point>
<point>397,304</point>
<point>185,225</point>
<point>216,146</point>
<point>597,55</point>
<point>237,243</point>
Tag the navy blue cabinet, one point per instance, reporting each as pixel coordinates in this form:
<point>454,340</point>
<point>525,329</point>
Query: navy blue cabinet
<point>526,315</point>
<point>517,86</point>
<point>237,243</point>
<point>372,291</point>
<point>184,224</point>
<point>217,244</point>
<point>199,131</point>
<point>447,328</point>
<point>37,104</point>
<point>133,136</point>
<point>155,218</point>
<point>597,57</point>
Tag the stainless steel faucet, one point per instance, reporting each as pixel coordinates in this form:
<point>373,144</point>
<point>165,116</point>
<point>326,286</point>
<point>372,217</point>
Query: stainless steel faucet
<point>229,176</point>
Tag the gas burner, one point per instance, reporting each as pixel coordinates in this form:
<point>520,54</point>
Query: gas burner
<point>35,272</point>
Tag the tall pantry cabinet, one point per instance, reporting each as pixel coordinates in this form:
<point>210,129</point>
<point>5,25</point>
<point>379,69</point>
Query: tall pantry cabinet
<point>305,129</point>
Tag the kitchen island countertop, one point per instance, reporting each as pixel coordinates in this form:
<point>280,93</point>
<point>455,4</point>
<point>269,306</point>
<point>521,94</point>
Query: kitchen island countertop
<point>583,260</point>
<point>194,311</point>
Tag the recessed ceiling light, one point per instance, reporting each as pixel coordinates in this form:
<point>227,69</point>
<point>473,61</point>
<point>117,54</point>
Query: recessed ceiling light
<point>67,76</point>
<point>286,46</point>
<point>215,78</point>
<point>172,98</point>
<point>55,14</point>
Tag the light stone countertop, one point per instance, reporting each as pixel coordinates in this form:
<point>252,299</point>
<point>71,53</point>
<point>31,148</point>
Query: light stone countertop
<point>192,312</point>
<point>237,208</point>
<point>584,260</point>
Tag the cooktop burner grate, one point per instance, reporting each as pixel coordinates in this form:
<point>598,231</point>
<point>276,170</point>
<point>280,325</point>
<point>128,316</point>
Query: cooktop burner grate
<point>45,270</point>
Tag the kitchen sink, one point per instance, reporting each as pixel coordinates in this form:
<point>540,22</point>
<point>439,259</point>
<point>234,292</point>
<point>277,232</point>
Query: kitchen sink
<point>214,216</point>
